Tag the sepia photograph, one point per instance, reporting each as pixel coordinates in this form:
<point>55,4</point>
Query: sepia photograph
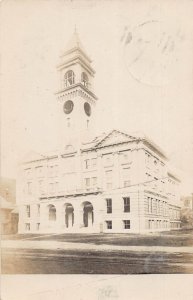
<point>96,147</point>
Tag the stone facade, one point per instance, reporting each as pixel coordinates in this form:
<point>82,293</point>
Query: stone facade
<point>113,183</point>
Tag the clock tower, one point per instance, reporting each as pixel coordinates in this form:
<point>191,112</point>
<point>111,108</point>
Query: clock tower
<point>76,99</point>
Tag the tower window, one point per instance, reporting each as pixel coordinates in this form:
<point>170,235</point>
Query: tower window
<point>84,79</point>
<point>69,78</point>
<point>68,122</point>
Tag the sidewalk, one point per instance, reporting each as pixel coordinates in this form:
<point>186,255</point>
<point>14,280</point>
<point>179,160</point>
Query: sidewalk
<point>55,245</point>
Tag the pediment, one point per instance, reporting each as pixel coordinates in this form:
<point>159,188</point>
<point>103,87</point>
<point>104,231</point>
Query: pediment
<point>113,138</point>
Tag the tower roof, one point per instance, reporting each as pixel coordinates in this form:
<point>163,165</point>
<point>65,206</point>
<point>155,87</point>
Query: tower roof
<point>75,44</point>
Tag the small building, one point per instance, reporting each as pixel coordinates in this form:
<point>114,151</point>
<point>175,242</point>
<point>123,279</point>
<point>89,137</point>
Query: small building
<point>116,182</point>
<point>9,217</point>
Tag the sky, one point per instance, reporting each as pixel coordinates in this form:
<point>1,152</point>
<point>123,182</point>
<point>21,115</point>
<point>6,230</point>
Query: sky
<point>142,55</point>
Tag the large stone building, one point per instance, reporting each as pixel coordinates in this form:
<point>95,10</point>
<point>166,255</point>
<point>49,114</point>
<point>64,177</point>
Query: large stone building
<point>115,182</point>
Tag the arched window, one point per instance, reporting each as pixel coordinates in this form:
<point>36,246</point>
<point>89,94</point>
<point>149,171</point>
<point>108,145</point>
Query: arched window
<point>52,213</point>
<point>69,78</point>
<point>84,79</point>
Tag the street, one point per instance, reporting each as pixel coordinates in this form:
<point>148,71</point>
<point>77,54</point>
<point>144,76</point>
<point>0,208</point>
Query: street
<point>166,253</point>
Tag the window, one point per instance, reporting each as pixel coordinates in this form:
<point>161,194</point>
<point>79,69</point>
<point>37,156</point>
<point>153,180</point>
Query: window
<point>126,224</point>
<point>109,179</point>
<point>28,172</point>
<point>155,186</point>
<point>158,207</point>
<point>87,163</point>
<point>94,162</point>
<point>38,210</point>
<point>87,183</point>
<point>108,160</point>
<point>41,189</point>
<point>90,182</point>
<point>52,213</point>
<point>126,204</point>
<point>37,226</point>
<point>90,163</point>
<point>68,122</point>
<point>94,181</point>
<point>51,187</point>
<point>84,79</point>
<point>150,205</point>
<point>125,157</point>
<point>39,171</point>
<point>28,211</point>
<point>53,170</point>
<point>27,226</point>
<point>29,188</point>
<point>126,177</point>
<point>109,206</point>
<point>69,78</point>
<point>109,224</point>
<point>147,158</point>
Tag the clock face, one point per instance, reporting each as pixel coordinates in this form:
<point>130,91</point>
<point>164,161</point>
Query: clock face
<point>87,109</point>
<point>68,106</point>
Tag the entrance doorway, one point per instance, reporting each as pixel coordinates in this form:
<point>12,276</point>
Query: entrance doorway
<point>69,215</point>
<point>88,214</point>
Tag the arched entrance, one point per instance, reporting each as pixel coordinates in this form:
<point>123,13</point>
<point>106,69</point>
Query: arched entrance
<point>51,212</point>
<point>88,214</point>
<point>69,215</point>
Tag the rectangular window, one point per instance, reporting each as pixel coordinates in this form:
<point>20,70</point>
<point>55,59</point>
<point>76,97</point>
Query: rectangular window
<point>41,186</point>
<point>28,211</point>
<point>109,179</point>
<point>155,186</point>
<point>90,163</point>
<point>53,171</point>
<point>125,157</point>
<point>126,224</point>
<point>27,226</point>
<point>109,206</point>
<point>37,226</point>
<point>109,224</point>
<point>126,204</point>
<point>51,187</point>
<point>126,175</point>
<point>87,163</point>
<point>39,171</point>
<point>94,163</point>
<point>147,158</point>
<point>94,181</point>
<point>87,183</point>
<point>108,160</point>
<point>150,207</point>
<point>38,210</point>
<point>28,172</point>
<point>29,188</point>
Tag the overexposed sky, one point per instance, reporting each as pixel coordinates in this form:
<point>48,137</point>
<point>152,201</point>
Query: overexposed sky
<point>142,52</point>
